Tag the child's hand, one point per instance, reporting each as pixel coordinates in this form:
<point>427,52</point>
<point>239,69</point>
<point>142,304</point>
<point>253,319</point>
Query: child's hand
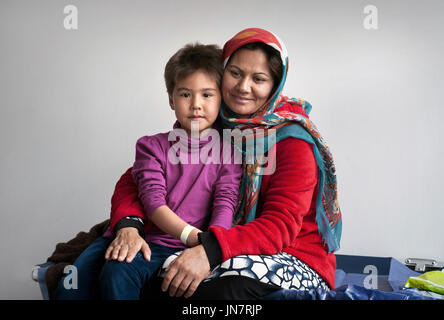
<point>126,245</point>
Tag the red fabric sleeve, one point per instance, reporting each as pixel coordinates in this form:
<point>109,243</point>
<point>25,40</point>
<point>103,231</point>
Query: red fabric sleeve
<point>285,201</point>
<point>125,201</point>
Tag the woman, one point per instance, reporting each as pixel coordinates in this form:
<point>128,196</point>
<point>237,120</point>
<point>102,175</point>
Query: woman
<point>287,224</point>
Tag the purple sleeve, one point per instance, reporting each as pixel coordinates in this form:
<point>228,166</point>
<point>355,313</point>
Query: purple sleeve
<point>148,173</point>
<point>226,194</point>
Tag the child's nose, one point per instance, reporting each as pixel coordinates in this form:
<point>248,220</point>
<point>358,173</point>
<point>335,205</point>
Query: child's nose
<point>196,103</point>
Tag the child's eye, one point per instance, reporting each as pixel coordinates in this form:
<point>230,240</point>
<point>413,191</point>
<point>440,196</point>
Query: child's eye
<point>185,94</point>
<point>207,95</point>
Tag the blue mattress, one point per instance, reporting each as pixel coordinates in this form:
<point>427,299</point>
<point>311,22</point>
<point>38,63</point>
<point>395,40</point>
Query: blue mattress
<point>356,278</point>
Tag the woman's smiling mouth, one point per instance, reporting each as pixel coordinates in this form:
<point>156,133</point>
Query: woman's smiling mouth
<point>239,99</point>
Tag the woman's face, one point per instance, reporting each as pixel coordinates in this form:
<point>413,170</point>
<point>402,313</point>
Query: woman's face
<point>247,81</point>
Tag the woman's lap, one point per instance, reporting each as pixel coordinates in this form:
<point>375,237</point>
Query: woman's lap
<point>281,269</point>
<point>224,288</point>
<point>254,276</point>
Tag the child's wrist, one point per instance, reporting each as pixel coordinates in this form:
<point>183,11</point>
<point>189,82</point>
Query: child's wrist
<point>189,236</point>
<point>193,239</point>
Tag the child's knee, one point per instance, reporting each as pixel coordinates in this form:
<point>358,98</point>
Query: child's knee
<point>121,280</point>
<point>112,270</point>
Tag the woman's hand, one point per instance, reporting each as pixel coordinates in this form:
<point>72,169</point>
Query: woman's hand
<point>126,245</point>
<point>186,272</point>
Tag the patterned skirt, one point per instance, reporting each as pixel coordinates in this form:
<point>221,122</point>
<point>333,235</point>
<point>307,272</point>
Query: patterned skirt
<point>281,269</point>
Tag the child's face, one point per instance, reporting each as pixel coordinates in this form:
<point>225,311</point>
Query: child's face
<point>196,98</point>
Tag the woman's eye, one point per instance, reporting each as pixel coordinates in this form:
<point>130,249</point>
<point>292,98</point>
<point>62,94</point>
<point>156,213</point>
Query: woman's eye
<point>259,79</point>
<point>234,73</point>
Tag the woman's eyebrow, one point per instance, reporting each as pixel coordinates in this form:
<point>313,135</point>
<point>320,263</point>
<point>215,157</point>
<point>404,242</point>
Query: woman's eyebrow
<point>263,73</point>
<point>234,66</point>
<point>260,72</point>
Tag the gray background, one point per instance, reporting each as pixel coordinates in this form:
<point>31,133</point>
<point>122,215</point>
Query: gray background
<point>73,104</point>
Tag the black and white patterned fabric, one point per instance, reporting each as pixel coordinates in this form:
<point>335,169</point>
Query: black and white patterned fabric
<point>281,269</point>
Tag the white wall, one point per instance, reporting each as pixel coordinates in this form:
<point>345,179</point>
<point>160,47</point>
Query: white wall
<point>73,104</point>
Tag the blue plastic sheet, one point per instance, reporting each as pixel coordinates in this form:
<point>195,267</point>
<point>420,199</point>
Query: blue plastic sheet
<point>347,292</point>
<point>362,278</point>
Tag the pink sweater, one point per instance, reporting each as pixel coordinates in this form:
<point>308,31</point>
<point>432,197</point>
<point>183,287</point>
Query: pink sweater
<point>202,194</point>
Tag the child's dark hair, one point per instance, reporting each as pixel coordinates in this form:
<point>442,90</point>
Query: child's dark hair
<point>191,58</point>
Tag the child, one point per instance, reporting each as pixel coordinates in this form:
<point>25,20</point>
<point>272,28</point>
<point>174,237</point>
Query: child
<point>179,198</point>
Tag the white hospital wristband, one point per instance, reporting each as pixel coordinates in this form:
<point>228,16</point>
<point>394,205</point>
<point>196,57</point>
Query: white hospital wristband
<point>185,233</point>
